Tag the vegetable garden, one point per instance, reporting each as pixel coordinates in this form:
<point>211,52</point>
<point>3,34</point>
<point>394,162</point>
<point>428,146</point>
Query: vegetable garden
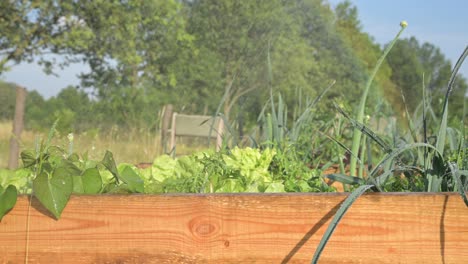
<point>50,211</point>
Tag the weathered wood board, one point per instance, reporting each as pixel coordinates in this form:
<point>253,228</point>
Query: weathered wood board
<point>239,228</point>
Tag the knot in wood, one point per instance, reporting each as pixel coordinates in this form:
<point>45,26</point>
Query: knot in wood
<point>204,227</point>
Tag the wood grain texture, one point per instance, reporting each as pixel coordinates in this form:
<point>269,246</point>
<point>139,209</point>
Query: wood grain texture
<point>244,228</point>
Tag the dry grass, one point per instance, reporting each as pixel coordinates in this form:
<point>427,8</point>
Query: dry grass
<point>130,146</point>
<point>27,139</point>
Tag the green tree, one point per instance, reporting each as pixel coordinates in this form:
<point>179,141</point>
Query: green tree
<point>129,45</point>
<point>28,30</point>
<point>74,109</point>
<point>288,46</point>
<point>410,61</point>
<point>36,112</point>
<point>350,28</point>
<point>459,103</point>
<point>134,49</point>
<point>407,71</point>
<point>127,42</point>
<point>237,36</point>
<point>336,59</point>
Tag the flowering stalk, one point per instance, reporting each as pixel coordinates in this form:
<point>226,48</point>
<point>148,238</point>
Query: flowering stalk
<point>362,105</point>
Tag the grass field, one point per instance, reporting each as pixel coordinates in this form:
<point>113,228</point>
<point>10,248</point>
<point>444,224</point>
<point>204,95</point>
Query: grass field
<point>130,146</point>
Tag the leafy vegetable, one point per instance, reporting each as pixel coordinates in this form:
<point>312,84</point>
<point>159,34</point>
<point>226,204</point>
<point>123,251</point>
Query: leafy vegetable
<point>53,190</point>
<point>109,162</point>
<point>20,178</point>
<point>131,178</point>
<point>89,182</point>
<point>8,199</point>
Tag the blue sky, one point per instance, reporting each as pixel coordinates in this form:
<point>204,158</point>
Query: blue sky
<point>443,23</point>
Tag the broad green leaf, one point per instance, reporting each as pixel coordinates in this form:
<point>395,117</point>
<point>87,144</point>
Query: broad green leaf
<point>163,168</point>
<point>109,162</point>
<point>87,164</point>
<point>28,157</point>
<point>92,181</point>
<point>89,182</point>
<point>119,189</point>
<point>231,186</point>
<point>131,178</point>
<point>74,157</point>
<point>7,199</point>
<point>252,163</point>
<point>107,178</point>
<point>187,167</point>
<point>146,174</point>
<point>154,187</point>
<point>70,167</point>
<point>5,177</point>
<point>253,188</point>
<point>275,187</point>
<point>303,186</point>
<point>77,184</point>
<point>53,191</point>
<point>20,178</point>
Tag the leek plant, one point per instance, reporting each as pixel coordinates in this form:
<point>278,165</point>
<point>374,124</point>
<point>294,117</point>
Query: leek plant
<point>437,171</point>
<point>360,111</point>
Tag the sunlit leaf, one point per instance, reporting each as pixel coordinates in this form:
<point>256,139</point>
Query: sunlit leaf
<point>54,191</point>
<point>92,182</point>
<point>7,199</point>
<point>131,178</point>
<point>109,162</point>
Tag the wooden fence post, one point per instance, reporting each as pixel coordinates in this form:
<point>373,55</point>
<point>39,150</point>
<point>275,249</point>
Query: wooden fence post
<point>166,121</point>
<point>18,125</point>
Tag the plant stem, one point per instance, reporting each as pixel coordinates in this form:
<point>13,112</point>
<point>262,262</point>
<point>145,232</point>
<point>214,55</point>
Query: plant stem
<point>360,111</point>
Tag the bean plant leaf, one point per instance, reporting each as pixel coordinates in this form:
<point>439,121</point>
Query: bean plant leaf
<point>74,157</point>
<point>109,162</point>
<point>77,184</point>
<point>336,219</point>
<point>7,199</point>
<point>92,181</point>
<point>53,191</point>
<point>70,167</point>
<point>28,157</point>
<point>131,178</point>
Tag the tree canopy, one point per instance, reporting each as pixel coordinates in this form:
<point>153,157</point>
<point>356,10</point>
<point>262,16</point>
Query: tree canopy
<point>208,55</point>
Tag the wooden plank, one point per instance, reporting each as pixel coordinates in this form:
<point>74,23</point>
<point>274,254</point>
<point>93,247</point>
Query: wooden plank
<point>243,228</point>
<point>195,126</point>
<point>18,125</point>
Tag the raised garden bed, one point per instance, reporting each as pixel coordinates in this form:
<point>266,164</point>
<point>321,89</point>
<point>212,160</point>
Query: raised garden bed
<point>239,228</point>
